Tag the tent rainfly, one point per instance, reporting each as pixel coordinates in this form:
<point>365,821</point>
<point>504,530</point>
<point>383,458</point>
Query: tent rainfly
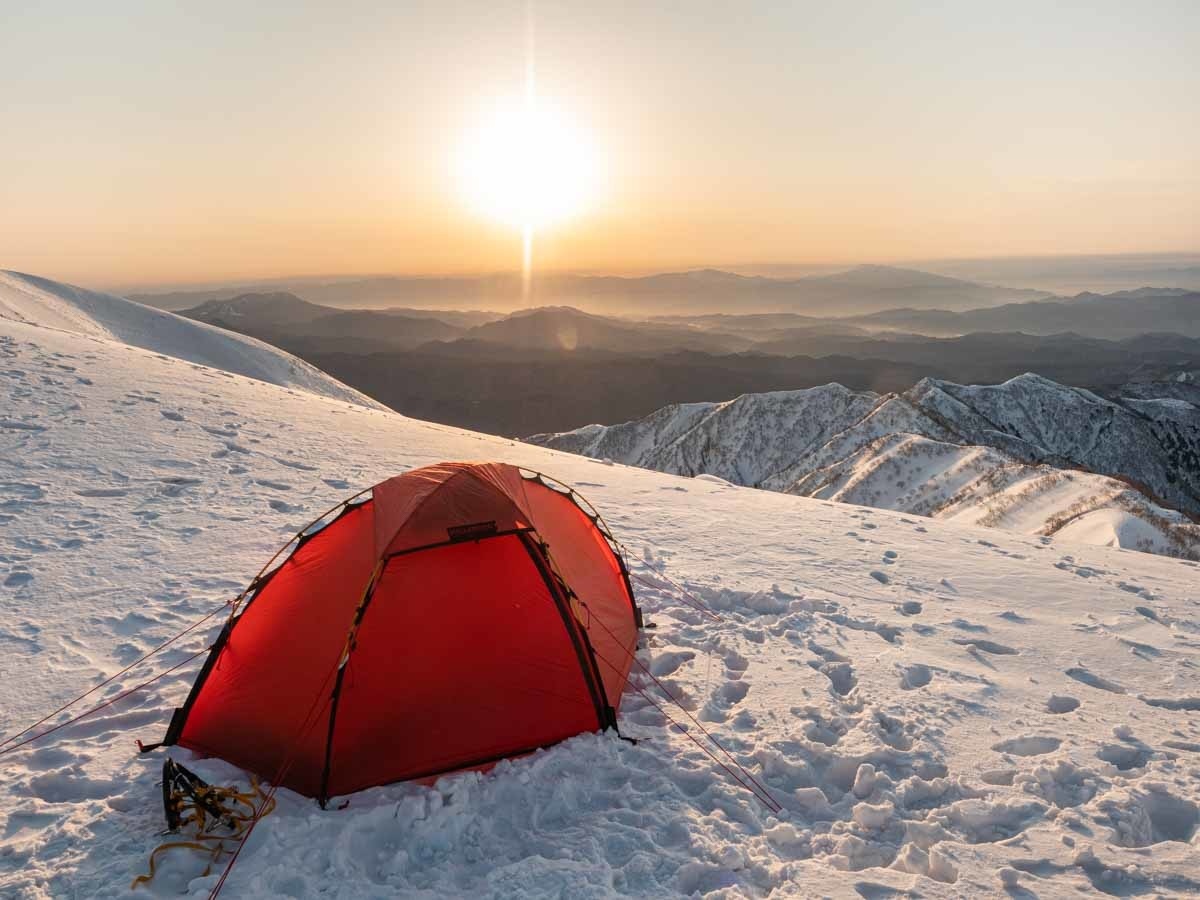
<point>462,613</point>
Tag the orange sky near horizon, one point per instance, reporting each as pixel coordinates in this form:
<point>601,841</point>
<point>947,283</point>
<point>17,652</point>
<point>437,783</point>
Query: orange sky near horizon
<point>168,146</point>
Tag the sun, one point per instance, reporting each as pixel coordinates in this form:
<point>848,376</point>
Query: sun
<point>527,165</point>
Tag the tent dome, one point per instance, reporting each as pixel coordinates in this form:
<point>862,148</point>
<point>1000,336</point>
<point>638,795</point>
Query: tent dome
<point>461,614</point>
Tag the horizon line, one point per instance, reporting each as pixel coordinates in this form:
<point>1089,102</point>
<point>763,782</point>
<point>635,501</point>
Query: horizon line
<point>159,287</point>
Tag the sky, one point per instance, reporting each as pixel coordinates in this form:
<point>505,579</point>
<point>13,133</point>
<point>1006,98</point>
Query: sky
<point>169,144</point>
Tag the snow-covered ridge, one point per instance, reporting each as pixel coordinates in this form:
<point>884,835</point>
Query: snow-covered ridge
<point>51,304</point>
<point>942,711</point>
<point>1029,455</point>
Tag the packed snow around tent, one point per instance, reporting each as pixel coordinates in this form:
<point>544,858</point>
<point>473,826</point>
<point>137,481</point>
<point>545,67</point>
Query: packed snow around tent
<point>939,709</point>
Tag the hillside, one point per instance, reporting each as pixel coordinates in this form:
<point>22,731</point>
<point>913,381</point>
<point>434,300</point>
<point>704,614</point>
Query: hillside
<point>941,710</point>
<point>564,328</point>
<point>1029,454</point>
<point>286,321</point>
<point>104,317</point>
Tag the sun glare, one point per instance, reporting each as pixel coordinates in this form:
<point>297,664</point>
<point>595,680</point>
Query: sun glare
<point>527,166</point>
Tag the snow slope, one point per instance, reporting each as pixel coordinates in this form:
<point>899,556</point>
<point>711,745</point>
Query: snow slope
<point>39,301</point>
<point>1022,455</point>
<point>941,710</point>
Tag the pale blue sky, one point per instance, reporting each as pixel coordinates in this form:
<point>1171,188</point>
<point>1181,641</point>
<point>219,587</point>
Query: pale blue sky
<point>152,142</point>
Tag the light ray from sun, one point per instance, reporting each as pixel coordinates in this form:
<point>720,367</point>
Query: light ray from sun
<point>530,105</point>
<point>527,165</point>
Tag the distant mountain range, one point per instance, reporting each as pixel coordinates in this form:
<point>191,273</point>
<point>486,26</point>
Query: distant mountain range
<point>555,368</point>
<point>1028,454</point>
<point>900,334</point>
<point>1118,315</point>
<point>857,291</point>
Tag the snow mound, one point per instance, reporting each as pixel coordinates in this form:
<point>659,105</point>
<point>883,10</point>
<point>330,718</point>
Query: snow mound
<point>1115,528</point>
<point>50,304</point>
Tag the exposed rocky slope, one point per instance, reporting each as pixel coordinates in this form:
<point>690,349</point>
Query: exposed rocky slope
<point>1028,454</point>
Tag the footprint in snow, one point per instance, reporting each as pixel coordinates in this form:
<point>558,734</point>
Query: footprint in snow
<point>731,693</point>
<point>668,662</point>
<point>1185,746</point>
<point>826,654</point>
<point>175,485</point>
<point>998,777</point>
<point>736,663</point>
<point>915,676</point>
<point>986,646</point>
<point>1137,648</point>
<point>1030,745</point>
<point>723,699</point>
<point>1012,616</point>
<point>130,625</point>
<point>841,677</point>
<point>1126,756</point>
<point>964,625</point>
<point>1061,704</point>
<point>1132,588</point>
<point>68,786</point>
<point>295,464</point>
<point>1176,704</point>
<point>20,425</point>
<point>1084,676</point>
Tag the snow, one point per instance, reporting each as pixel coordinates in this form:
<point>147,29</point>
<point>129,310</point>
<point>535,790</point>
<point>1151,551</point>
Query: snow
<point>39,301</point>
<point>1114,528</point>
<point>1026,455</point>
<point>998,714</point>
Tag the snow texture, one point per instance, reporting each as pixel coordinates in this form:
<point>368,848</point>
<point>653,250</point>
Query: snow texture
<point>27,298</point>
<point>1028,455</point>
<point>941,710</point>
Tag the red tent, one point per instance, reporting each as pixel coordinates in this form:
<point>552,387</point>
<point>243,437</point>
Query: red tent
<point>464,613</point>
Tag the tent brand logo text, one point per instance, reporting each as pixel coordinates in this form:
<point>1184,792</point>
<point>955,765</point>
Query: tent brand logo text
<point>471,532</point>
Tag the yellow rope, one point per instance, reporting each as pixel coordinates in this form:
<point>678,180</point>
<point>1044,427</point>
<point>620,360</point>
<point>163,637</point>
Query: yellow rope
<point>195,812</point>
